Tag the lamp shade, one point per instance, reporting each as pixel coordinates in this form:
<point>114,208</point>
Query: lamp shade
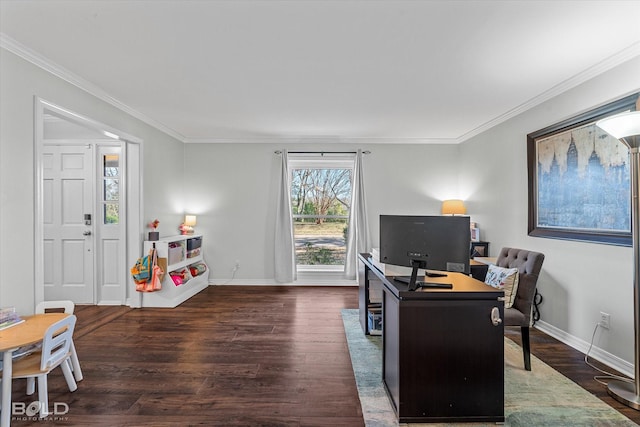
<point>453,207</point>
<point>621,125</point>
<point>190,220</point>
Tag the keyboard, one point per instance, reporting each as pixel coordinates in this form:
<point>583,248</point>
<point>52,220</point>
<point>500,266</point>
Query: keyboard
<point>435,285</point>
<point>421,284</point>
<point>431,274</point>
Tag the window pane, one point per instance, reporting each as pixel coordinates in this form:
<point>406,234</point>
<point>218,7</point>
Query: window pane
<point>320,241</point>
<point>111,189</point>
<point>320,200</point>
<point>111,165</point>
<point>321,191</point>
<point>111,213</point>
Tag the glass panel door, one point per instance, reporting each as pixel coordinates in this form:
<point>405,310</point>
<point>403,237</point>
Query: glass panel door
<point>111,188</point>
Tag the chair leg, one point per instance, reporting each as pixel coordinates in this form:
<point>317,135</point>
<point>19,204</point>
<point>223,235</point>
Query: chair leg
<point>68,376</point>
<point>526,347</point>
<point>31,386</point>
<point>75,364</point>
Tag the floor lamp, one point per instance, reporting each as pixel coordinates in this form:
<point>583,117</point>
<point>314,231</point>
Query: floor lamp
<point>626,128</point>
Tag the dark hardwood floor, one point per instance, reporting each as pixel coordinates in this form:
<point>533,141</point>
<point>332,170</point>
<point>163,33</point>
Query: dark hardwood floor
<point>234,355</point>
<point>228,356</point>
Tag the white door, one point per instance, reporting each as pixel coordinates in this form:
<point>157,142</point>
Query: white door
<point>109,225</point>
<point>68,241</point>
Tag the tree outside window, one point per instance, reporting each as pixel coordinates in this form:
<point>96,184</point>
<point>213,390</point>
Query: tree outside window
<point>321,199</point>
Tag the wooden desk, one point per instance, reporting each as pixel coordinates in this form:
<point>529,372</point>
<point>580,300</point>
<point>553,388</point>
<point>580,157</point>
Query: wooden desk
<point>442,356</point>
<point>478,268</point>
<point>31,331</point>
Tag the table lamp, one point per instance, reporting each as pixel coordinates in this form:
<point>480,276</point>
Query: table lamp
<point>453,207</point>
<point>189,223</point>
<point>626,128</point>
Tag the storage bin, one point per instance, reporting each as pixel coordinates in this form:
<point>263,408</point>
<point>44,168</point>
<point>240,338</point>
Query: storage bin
<point>193,253</point>
<point>180,277</point>
<point>194,243</point>
<point>197,269</point>
<point>175,253</point>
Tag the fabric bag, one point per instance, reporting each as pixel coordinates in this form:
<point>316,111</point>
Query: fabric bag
<point>156,275</point>
<point>147,273</point>
<point>141,271</point>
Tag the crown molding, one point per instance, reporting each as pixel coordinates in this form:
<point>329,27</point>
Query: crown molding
<point>612,61</point>
<point>35,58</point>
<point>314,139</point>
<point>38,60</point>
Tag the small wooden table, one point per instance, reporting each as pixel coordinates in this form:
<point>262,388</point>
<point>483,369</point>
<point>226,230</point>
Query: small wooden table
<point>31,331</point>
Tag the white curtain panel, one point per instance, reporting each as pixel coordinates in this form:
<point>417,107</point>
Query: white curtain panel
<point>358,237</point>
<point>285,264</point>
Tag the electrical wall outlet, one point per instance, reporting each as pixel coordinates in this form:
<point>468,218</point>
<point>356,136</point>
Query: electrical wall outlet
<point>605,320</point>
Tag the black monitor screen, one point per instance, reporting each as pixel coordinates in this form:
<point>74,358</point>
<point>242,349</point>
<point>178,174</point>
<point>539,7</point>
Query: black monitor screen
<point>442,242</point>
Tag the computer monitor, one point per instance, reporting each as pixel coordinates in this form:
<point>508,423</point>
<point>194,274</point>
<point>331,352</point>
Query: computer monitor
<point>433,242</point>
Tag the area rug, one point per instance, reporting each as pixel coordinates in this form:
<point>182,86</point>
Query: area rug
<point>540,397</point>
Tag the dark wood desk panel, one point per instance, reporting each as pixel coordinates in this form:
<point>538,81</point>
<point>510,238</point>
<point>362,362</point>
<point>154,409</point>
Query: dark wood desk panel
<point>363,294</point>
<point>443,359</point>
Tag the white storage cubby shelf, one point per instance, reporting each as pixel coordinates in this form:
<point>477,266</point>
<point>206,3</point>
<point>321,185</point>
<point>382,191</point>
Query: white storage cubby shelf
<point>176,251</point>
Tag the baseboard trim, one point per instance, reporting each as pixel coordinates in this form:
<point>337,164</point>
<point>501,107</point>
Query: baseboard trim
<point>596,353</point>
<point>271,282</point>
<point>159,300</point>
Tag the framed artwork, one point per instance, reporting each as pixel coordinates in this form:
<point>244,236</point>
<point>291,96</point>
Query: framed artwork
<point>579,180</point>
<point>479,249</point>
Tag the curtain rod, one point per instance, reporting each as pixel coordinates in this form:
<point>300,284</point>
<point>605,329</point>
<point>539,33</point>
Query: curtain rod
<point>322,153</point>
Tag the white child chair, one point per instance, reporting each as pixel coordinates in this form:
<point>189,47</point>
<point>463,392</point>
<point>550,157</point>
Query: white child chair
<point>68,307</point>
<point>56,351</point>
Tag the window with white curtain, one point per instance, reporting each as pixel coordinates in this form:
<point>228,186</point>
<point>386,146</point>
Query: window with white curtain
<point>320,202</point>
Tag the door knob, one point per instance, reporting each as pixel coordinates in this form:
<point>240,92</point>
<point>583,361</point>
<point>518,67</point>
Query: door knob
<point>495,316</point>
<point>87,233</point>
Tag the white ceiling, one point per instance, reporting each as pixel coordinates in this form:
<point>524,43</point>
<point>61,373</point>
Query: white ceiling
<point>380,71</point>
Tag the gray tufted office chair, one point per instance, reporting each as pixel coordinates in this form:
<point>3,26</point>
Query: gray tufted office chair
<point>529,265</point>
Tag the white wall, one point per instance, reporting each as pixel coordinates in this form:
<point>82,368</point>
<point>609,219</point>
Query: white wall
<point>232,189</point>
<point>20,82</point>
<point>579,280</point>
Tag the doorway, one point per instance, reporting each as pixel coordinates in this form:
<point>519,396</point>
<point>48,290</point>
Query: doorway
<point>88,211</point>
<point>67,183</point>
